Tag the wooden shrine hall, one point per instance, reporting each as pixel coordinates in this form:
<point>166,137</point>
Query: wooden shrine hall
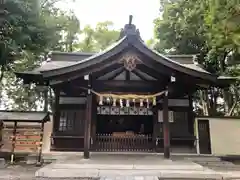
<point>125,98</point>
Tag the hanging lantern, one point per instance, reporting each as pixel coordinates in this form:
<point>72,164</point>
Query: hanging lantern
<point>114,102</point>
<point>127,103</point>
<point>141,102</point>
<point>154,101</point>
<point>100,100</point>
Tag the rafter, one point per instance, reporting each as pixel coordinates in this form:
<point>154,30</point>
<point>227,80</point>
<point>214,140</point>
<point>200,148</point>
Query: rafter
<point>104,71</point>
<point>112,74</point>
<point>150,71</point>
<point>136,72</point>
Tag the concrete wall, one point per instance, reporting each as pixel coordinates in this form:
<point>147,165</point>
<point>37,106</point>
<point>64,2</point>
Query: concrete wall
<point>224,135</point>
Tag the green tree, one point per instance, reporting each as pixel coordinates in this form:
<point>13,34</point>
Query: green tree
<point>211,29</point>
<point>105,35</point>
<point>98,38</point>
<point>31,29</point>
<point>87,44</point>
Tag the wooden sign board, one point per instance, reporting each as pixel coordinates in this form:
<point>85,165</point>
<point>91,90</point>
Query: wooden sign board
<point>27,138</point>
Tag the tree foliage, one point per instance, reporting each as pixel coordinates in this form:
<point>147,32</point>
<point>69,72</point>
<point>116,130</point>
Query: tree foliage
<point>29,30</point>
<point>98,38</point>
<point>211,29</point>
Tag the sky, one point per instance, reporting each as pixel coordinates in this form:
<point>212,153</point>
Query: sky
<point>93,11</point>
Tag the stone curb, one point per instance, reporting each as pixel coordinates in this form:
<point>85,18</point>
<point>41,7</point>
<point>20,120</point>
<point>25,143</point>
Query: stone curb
<point>164,174</point>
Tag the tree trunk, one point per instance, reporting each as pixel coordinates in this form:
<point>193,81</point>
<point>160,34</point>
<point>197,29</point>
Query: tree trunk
<point>2,74</point>
<point>204,103</point>
<point>226,100</point>
<point>236,101</point>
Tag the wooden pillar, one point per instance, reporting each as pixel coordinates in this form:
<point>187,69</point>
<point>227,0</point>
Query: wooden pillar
<point>155,128</point>
<point>94,121</point>
<point>13,142</point>
<point>166,133</point>
<point>39,160</point>
<point>87,124</point>
<point>45,94</point>
<point>190,116</point>
<point>56,115</point>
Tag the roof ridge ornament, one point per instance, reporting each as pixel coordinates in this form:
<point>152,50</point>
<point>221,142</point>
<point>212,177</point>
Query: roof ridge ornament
<point>129,29</point>
<point>130,19</point>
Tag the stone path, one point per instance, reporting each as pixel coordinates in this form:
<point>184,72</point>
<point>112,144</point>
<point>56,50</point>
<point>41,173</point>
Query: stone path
<point>133,168</point>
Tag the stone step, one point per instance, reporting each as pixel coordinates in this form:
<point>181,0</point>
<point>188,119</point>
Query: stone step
<point>127,174</point>
<point>204,159</point>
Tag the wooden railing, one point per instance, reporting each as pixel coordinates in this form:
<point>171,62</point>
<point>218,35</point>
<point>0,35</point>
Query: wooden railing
<point>110,143</point>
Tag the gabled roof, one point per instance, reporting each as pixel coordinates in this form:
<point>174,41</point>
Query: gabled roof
<point>67,63</point>
<point>24,116</point>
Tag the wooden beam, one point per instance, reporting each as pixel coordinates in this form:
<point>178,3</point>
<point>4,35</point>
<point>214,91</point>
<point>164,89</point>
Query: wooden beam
<point>158,67</point>
<point>136,72</point>
<point>104,71</point>
<point>126,86</point>
<point>127,76</point>
<point>166,133</point>
<point>151,72</point>
<point>119,71</point>
<point>132,83</point>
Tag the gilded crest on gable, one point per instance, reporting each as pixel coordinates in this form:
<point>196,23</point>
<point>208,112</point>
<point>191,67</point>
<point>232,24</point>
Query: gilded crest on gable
<point>130,61</point>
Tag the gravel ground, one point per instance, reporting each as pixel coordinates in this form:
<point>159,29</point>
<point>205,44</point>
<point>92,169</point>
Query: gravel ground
<point>24,172</point>
<point>18,172</point>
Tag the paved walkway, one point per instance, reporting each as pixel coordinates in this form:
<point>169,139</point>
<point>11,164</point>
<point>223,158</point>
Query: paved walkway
<point>145,166</point>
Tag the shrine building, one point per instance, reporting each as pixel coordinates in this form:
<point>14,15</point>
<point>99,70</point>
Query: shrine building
<point>125,98</point>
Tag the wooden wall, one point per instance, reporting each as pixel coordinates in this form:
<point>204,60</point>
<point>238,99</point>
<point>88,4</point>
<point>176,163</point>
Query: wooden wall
<point>69,135</point>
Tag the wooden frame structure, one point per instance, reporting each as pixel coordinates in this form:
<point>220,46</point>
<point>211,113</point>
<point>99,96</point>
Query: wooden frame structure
<point>23,118</point>
<point>128,66</point>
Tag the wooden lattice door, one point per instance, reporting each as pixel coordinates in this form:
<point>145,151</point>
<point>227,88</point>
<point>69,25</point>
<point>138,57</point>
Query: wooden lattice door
<point>204,137</point>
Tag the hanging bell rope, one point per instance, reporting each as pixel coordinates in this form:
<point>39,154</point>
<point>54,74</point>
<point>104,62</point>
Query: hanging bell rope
<point>134,97</point>
<point>128,96</point>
